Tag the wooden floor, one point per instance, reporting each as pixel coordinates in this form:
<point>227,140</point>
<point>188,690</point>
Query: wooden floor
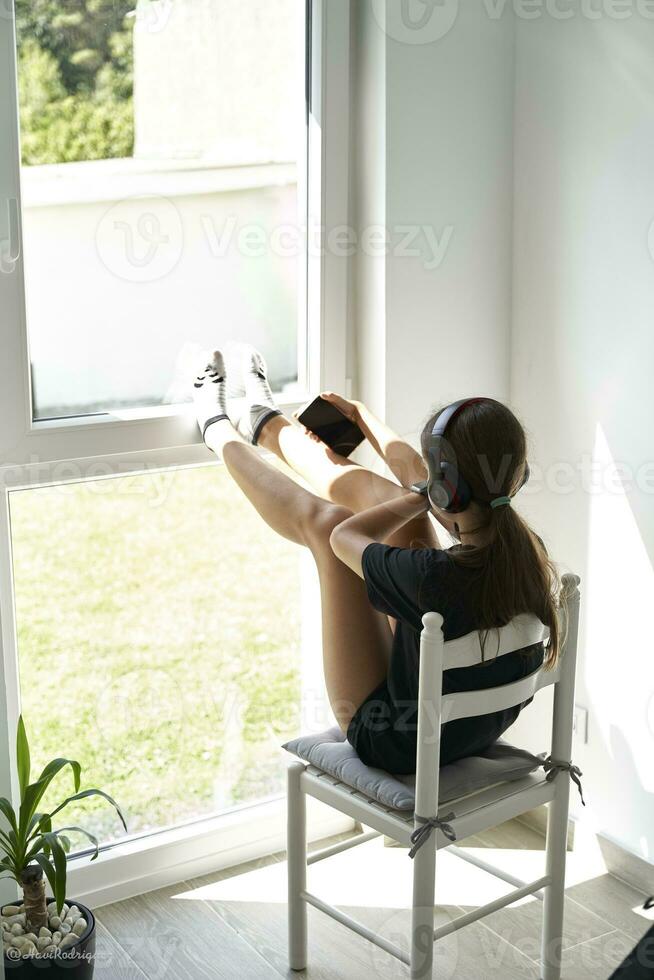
<point>232,925</point>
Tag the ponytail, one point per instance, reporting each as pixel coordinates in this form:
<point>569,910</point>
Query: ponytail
<point>515,575</point>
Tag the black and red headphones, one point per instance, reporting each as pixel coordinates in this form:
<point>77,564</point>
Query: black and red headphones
<point>446,488</point>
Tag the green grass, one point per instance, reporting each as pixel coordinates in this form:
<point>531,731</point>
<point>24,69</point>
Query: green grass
<point>159,642</point>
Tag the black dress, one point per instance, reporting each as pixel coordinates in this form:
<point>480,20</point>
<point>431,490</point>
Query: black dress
<point>383,730</point>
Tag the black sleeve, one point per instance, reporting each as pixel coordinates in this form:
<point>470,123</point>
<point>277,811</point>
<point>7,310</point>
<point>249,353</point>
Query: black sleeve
<point>394,577</point>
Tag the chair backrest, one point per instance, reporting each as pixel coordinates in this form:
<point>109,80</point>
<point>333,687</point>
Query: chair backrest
<point>436,656</point>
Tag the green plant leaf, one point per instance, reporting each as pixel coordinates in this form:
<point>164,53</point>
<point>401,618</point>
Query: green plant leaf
<point>9,851</point>
<point>31,799</point>
<point>8,812</point>
<point>52,768</point>
<point>38,823</point>
<point>80,830</point>
<point>84,795</point>
<point>49,872</point>
<point>38,845</point>
<point>34,792</point>
<point>22,757</point>
<point>60,861</point>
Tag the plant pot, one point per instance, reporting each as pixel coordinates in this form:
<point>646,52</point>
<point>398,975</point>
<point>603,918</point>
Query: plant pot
<point>74,963</point>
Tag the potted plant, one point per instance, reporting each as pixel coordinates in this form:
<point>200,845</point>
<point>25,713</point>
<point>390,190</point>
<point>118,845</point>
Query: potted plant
<point>56,935</point>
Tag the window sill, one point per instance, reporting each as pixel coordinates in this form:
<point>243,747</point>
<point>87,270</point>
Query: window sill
<point>140,865</point>
<point>289,401</point>
<point>96,181</point>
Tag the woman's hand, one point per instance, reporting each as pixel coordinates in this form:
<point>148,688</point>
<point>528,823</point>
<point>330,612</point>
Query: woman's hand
<point>349,407</point>
<point>351,410</point>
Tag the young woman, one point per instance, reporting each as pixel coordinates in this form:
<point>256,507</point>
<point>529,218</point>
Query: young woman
<point>379,559</point>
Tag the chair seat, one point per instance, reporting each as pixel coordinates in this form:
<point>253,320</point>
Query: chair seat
<point>329,752</point>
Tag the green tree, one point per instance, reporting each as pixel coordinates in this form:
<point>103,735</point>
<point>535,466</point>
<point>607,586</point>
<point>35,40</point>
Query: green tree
<point>76,80</point>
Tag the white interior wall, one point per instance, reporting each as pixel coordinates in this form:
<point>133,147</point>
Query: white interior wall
<point>582,354</point>
<point>547,282</point>
<point>432,141</point>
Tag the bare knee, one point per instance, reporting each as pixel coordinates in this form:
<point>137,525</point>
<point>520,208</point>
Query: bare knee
<point>318,526</point>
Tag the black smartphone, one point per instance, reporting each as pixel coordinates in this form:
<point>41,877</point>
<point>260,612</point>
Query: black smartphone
<point>330,425</point>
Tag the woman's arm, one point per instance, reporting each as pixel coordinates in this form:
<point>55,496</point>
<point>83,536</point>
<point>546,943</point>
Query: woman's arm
<point>350,538</point>
<point>403,461</point>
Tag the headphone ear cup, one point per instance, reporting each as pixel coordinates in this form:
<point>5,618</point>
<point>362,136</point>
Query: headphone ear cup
<point>457,489</point>
<point>438,495</point>
<point>436,491</point>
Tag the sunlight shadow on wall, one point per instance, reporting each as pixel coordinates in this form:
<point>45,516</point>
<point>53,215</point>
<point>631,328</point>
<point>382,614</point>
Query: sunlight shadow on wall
<point>619,668</point>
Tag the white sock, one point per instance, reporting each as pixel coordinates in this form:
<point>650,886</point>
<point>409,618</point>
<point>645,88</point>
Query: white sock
<point>257,404</point>
<point>210,392</point>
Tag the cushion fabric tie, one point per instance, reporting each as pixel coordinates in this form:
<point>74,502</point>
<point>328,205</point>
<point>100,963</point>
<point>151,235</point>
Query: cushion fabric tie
<point>422,834</point>
<point>552,767</point>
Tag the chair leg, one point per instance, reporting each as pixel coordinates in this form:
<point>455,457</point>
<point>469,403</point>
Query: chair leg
<point>422,916</point>
<point>554,893</point>
<point>296,846</point>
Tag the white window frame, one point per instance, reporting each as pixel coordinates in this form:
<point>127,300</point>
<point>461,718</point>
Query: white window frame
<point>47,452</point>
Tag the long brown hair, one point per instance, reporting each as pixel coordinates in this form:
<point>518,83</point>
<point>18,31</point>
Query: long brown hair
<point>515,575</point>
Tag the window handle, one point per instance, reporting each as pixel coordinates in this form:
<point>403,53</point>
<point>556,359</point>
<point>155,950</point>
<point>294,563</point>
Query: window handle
<point>10,246</point>
<point>14,230</point>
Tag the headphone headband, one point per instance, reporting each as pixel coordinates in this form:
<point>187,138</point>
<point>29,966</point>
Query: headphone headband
<point>444,418</point>
<point>446,488</point>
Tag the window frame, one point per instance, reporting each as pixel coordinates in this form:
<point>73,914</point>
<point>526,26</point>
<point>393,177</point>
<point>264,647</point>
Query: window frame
<point>42,453</point>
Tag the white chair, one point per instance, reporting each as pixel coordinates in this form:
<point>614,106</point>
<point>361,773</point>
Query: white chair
<point>472,814</point>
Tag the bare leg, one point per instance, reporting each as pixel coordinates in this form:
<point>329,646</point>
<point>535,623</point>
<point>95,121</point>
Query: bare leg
<point>356,638</point>
<point>338,479</point>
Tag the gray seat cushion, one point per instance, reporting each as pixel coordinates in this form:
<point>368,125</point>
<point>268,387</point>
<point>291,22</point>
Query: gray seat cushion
<point>331,752</point>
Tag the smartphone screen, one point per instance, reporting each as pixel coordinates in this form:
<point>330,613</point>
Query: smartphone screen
<point>330,425</point>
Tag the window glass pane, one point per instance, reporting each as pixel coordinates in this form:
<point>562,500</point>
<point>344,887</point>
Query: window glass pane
<point>159,643</point>
<point>161,214</point>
